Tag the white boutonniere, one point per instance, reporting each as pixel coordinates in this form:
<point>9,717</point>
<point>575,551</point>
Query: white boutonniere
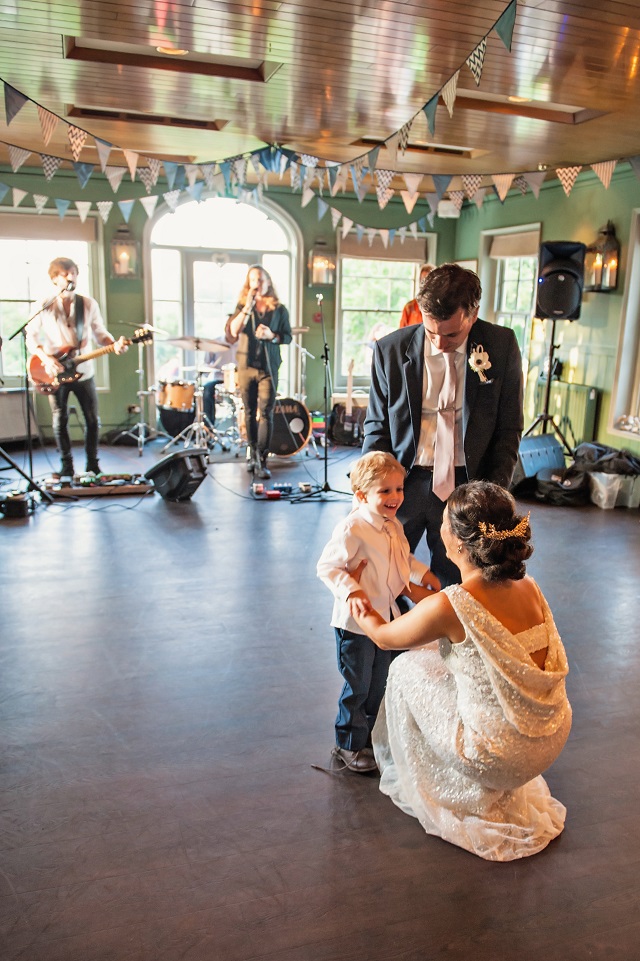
<point>479,361</point>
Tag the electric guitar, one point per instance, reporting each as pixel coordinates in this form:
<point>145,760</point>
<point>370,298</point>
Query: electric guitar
<point>47,384</point>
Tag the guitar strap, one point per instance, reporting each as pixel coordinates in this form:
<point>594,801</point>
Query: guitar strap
<point>79,306</point>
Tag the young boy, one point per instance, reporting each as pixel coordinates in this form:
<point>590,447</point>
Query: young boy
<point>371,539</point>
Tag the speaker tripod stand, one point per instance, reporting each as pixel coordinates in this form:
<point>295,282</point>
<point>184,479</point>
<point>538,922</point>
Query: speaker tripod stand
<point>545,419</point>
<point>141,432</point>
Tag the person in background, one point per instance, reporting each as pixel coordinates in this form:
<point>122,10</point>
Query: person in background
<point>367,546</point>
<point>446,400</point>
<point>69,323</point>
<point>411,311</point>
<point>259,326</point>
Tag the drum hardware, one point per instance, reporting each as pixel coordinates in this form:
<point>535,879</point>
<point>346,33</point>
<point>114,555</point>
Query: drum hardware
<point>291,427</point>
<point>198,343</point>
<point>141,431</point>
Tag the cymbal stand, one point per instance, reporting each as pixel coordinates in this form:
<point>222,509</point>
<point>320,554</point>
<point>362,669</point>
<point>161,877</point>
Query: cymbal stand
<point>201,433</point>
<point>141,432</point>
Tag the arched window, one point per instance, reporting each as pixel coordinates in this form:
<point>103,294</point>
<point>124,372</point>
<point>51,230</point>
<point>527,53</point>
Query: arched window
<point>199,257</point>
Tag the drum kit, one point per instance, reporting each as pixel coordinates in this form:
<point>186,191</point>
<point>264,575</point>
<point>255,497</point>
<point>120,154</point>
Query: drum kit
<point>180,406</point>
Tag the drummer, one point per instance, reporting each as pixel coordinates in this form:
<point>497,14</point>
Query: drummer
<point>216,360</point>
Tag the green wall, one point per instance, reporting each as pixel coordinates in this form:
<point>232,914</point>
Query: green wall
<point>588,347</point>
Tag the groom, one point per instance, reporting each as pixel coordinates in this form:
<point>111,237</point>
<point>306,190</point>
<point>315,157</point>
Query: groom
<point>407,414</point>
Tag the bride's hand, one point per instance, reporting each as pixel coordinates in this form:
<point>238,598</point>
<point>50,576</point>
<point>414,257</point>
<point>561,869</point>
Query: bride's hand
<point>359,604</point>
<point>356,574</point>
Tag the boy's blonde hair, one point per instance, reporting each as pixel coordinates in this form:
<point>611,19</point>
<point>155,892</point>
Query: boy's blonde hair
<point>371,467</point>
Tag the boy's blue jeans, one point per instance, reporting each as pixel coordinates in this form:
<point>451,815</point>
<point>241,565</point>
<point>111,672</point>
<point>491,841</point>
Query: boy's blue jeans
<point>364,668</point>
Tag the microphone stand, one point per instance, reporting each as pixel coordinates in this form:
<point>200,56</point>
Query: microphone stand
<point>325,488</point>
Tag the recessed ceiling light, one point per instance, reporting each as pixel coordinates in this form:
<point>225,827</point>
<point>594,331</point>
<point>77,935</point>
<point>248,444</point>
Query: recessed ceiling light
<point>173,51</point>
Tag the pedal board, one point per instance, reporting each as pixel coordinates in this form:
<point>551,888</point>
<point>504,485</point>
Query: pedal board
<point>101,485</point>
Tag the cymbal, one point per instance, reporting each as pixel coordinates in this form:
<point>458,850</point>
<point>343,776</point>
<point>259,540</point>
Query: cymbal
<point>198,343</point>
<point>156,330</point>
<point>299,330</point>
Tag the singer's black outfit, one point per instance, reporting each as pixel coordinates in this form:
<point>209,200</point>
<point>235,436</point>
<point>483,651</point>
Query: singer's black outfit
<point>258,362</point>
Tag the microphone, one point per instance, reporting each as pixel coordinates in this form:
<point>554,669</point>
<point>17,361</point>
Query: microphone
<point>70,286</point>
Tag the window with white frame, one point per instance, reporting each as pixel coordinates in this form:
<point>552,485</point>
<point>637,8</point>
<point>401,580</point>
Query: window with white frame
<point>374,285</point>
<point>515,296</point>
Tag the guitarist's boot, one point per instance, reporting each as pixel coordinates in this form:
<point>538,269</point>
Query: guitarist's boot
<point>66,469</point>
<point>251,461</point>
<point>262,471</point>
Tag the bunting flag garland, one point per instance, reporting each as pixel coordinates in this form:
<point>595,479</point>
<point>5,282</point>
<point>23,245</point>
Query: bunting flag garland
<point>449,92</point>
<point>308,160</point>
<point>372,158</point>
<point>322,208</point>
<point>149,204</point>
<point>535,180</point>
<point>104,209</point>
<point>392,146</point>
<point>441,182</point>
<point>83,171</point>
<point>471,184</point>
<point>346,226</point>
<point>475,62</point>
<point>384,178</point>
<point>63,206</point>
<point>294,177</point>
<point>126,206</point>
<point>433,200</point>
<point>104,149</point>
<point>634,161</point>
<point>170,171</point>
<point>413,182</point>
<point>49,165</point>
<point>48,123</point>
<point>335,217</point>
<point>171,198</point>
<point>521,184</point>
<point>18,196</point>
<point>14,101</point>
<point>40,202</point>
<point>4,190</point>
<point>77,139</point>
<point>604,172</point>
<point>478,197</point>
<point>240,169</point>
<point>307,196</point>
<point>114,175</point>
<point>505,24</point>
<point>384,195</point>
<point>403,135</point>
<point>456,197</point>
<point>195,191</point>
<point>83,207</point>
<point>567,177</point>
<point>192,171</point>
<point>154,167</point>
<point>409,200</point>
<point>429,110</point>
<point>132,161</point>
<point>145,174</point>
<point>384,236</point>
<point>502,184</point>
<point>17,157</point>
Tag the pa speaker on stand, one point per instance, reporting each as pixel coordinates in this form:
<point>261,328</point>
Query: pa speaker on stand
<point>558,297</point>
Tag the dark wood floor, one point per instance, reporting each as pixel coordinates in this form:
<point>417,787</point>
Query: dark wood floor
<point>167,682</point>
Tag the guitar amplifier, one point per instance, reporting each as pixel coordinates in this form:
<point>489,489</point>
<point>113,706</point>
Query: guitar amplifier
<point>345,429</point>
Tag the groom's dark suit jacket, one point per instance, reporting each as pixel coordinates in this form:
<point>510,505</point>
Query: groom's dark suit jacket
<point>492,419</point>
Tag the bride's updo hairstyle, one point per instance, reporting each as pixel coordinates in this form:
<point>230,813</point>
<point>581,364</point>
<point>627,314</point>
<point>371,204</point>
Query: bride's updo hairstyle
<point>483,516</point>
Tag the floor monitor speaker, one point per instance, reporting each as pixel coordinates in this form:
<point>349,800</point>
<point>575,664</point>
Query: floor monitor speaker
<point>179,475</point>
<point>560,280</point>
<point>535,453</point>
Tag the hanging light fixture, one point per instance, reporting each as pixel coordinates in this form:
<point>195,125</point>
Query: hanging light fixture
<point>602,261</point>
<point>321,265</point>
<point>125,255</point>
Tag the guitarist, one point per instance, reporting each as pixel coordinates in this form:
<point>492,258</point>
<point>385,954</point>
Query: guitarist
<point>64,324</point>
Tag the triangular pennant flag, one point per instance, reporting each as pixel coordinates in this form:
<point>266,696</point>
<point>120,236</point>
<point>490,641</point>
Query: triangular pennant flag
<point>207,171</point>
<point>192,171</point>
<point>346,226</point>
<point>504,26</point>
<point>255,161</point>
<point>4,190</point>
<point>294,176</point>
<point>430,113</point>
<point>521,184</point>
<point>63,206</point>
<point>392,146</point>
<point>535,178</point>
<point>478,197</point>
<point>40,201</point>
<point>433,200</point>
<point>17,156</point>
<point>413,182</point>
<point>154,166</point>
<point>384,195</point>
<point>146,176</point>
<point>392,234</point>
<point>307,196</point>
<point>371,234</point>
<point>240,169</point>
<point>384,236</point>
<point>132,161</point>
<point>422,224</point>
<point>77,139</point>
<point>384,178</point>
<point>225,168</point>
<point>372,158</point>
<point>83,207</point>
<point>149,204</point>
<point>604,171</point>
<point>126,206</point>
<point>171,199</point>
<point>104,209</point>
<point>170,170</point>
<point>83,172</point>
<point>14,101</point>
<point>49,165</point>
<point>322,208</point>
<point>567,177</point>
<point>441,182</point>
<point>634,161</point>
<point>308,160</point>
<point>456,197</point>
<point>195,191</point>
<point>402,233</point>
<point>408,200</point>
<point>283,164</point>
<point>217,182</point>
<point>114,175</point>
<point>104,149</point>
<point>403,135</point>
<point>502,184</point>
<point>18,196</point>
<point>475,61</point>
<point>471,183</point>
<point>48,123</point>
<point>335,217</point>
<point>359,233</point>
<point>413,229</point>
<point>449,92</point>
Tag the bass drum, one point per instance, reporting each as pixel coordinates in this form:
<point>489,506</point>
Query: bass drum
<point>175,421</point>
<point>291,427</point>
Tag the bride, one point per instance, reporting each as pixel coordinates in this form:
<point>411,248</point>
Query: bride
<point>468,725</point>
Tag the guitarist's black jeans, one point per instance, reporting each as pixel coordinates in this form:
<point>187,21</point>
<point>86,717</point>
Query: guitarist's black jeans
<point>85,391</point>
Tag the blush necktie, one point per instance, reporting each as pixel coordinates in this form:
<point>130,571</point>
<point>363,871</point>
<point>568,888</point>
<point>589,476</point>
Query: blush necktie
<point>398,563</point>
<point>444,471</point>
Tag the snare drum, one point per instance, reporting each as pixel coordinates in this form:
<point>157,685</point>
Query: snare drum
<point>179,395</point>
<point>230,380</point>
<point>291,427</point>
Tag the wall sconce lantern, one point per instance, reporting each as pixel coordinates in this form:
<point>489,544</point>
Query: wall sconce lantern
<point>602,261</point>
<point>125,255</point>
<point>322,265</point>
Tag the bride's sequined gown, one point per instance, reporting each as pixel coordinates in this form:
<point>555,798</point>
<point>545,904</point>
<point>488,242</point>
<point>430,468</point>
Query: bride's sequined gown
<point>465,731</point>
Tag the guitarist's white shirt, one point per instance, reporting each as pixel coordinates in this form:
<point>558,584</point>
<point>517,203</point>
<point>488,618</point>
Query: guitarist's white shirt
<point>55,333</point>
